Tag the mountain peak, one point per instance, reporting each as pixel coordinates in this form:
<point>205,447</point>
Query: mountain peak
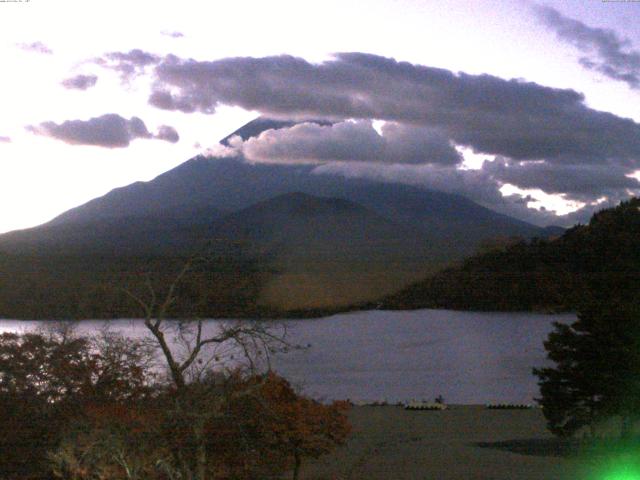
<point>262,124</point>
<point>256,127</point>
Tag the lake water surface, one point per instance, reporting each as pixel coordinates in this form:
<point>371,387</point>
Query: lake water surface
<point>467,357</point>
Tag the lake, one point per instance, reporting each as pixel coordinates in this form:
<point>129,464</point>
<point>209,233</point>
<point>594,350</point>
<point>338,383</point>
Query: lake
<point>467,357</point>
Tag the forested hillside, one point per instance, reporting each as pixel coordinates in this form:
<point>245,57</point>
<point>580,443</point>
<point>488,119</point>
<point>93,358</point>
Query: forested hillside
<point>546,275</point>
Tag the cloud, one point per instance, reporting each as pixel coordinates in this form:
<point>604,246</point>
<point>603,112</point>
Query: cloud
<point>172,34</point>
<point>5,139</point>
<point>164,100</point>
<point>219,150</point>
<point>512,118</point>
<point>605,51</point>
<point>108,131</point>
<point>418,144</point>
<point>80,82</point>
<point>580,182</point>
<point>37,47</point>
<point>128,64</point>
<point>167,133</point>
<point>349,141</point>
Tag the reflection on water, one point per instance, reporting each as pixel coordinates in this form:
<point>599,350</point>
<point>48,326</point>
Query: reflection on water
<point>467,357</point>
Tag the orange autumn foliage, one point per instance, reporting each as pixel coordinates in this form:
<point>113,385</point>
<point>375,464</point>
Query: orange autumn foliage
<point>275,428</point>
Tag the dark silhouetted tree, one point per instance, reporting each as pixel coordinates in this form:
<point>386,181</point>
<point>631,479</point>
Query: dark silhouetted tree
<point>597,366</point>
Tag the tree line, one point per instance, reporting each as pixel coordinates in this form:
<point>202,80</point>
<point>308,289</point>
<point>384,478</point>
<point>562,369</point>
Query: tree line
<point>80,286</point>
<point>549,275</point>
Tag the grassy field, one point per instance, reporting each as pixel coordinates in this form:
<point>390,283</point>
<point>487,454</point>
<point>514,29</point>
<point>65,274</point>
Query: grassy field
<point>462,443</point>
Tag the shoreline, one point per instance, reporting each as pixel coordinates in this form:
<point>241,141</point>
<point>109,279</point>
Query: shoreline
<point>299,315</point>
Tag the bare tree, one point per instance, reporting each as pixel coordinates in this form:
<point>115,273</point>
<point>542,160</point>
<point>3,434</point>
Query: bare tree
<point>200,358</point>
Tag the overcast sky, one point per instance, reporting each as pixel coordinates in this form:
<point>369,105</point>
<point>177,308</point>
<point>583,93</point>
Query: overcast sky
<point>532,109</point>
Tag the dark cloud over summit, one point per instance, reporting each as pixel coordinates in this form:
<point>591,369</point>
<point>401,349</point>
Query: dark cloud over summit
<point>605,51</point>
<point>513,118</point>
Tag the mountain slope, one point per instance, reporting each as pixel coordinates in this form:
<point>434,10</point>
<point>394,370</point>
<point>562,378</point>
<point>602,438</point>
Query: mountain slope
<point>111,235</point>
<point>300,225</point>
<point>324,250</point>
<point>230,184</point>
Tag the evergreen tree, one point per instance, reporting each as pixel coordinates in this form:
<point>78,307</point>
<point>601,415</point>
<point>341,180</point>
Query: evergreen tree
<point>597,365</point>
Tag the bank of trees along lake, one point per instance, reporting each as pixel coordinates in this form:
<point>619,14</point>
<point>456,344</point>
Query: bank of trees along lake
<point>539,275</point>
<point>44,286</point>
